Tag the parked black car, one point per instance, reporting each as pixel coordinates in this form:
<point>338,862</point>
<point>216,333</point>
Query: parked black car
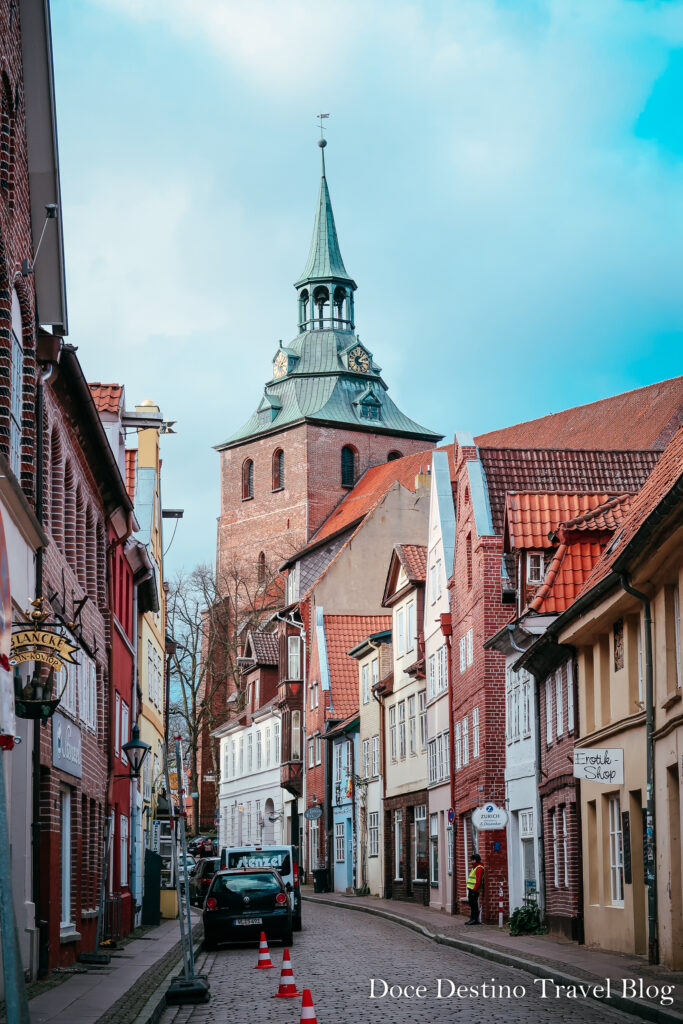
<point>200,879</point>
<point>242,903</point>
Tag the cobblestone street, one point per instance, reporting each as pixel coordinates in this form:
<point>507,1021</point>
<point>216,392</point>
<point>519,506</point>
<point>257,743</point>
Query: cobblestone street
<point>337,955</point>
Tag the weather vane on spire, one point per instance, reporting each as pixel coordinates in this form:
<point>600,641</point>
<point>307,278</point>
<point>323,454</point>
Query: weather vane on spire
<point>322,142</point>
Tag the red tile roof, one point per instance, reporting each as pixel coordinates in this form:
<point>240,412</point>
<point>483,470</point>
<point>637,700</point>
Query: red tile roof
<point>667,474</point>
<point>107,397</point>
<point>372,487</point>
<point>131,470</point>
<point>582,542</point>
<point>343,632</point>
<point>531,516</point>
<point>645,418</point>
<point>525,469</point>
<point>414,561</point>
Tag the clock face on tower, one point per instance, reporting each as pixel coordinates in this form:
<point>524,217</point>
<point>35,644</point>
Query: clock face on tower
<point>359,360</point>
<point>280,365</point>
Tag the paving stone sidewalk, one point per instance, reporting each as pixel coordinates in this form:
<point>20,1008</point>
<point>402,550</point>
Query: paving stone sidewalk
<point>542,955</point>
<point>114,994</point>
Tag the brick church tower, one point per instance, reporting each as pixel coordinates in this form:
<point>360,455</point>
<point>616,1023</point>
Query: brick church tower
<point>324,418</point>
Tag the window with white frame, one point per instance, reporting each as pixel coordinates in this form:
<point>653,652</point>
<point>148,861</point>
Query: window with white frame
<point>259,750</point>
<point>349,757</point>
<point>398,846</point>
<point>641,689</point>
<point>534,567</point>
<point>16,387</point>
<point>375,756</point>
<point>439,757</point>
<point>125,727</point>
<point>250,752</point>
<point>318,748</point>
<point>296,735</point>
<point>124,849</point>
<point>311,752</point>
<point>422,706</point>
<point>400,633</point>
<point>241,756</point>
<point>556,849</point>
<point>431,761</point>
<point>339,842</point>
<point>374,668</point>
<point>470,645</point>
<point>338,762</point>
<point>458,746</point>
<point>570,696</point>
<point>401,729</point>
<point>366,759</point>
<point>412,724</point>
<point>515,710</point>
<point>443,668</point>
<point>294,657</point>
<point>410,626</point>
<point>431,676</point>
<point>147,779</point>
<point>526,824</point>
<point>393,733</point>
<point>446,761</point>
<point>548,711</point>
<point>526,707</point>
<point>420,866</point>
<point>276,742</point>
<point>465,741</point>
<point>267,753</point>
<point>616,853</point>
<point>475,732</point>
<point>373,834</point>
<point>434,848</point>
<point>565,849</point>
<point>365,682</point>
<point>463,653</point>
<point>559,708</point>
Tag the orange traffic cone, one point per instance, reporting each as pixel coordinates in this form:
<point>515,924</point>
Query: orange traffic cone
<point>287,984</point>
<point>264,960</point>
<point>307,1011</point>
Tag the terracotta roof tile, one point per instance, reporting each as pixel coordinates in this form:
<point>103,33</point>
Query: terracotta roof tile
<point>531,517</point>
<point>645,418</point>
<point>343,632</point>
<point>664,477</point>
<point>131,470</point>
<point>526,469</point>
<point>582,542</point>
<point>414,561</point>
<point>107,397</point>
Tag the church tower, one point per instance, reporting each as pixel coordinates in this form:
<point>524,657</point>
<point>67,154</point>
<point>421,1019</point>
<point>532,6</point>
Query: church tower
<point>324,418</point>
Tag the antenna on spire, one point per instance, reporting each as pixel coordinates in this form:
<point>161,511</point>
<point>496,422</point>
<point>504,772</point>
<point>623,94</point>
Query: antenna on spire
<point>322,142</point>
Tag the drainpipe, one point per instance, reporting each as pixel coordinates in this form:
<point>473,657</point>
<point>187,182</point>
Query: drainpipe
<point>447,631</point>
<point>651,822</point>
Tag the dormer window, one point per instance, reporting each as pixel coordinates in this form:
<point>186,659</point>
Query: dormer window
<point>534,567</point>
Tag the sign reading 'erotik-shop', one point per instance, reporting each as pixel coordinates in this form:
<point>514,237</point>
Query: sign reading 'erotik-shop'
<point>66,745</point>
<point>599,764</point>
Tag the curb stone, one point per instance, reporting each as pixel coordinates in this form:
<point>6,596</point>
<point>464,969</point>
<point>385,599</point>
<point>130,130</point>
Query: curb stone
<point>634,1007</point>
<point>156,1004</point>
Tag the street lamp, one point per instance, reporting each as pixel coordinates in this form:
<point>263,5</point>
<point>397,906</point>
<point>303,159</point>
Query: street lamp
<point>136,750</point>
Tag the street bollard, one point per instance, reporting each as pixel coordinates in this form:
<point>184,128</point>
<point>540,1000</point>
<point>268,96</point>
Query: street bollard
<point>500,905</point>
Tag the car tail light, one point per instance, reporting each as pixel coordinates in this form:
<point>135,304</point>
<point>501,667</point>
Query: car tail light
<point>206,881</point>
<point>212,903</point>
<point>296,873</point>
<point>281,898</point>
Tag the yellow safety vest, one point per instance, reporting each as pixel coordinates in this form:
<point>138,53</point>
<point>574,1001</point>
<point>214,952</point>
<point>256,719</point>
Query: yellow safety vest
<point>472,878</point>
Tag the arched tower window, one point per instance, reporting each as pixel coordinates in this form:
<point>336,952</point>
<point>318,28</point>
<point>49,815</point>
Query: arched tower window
<point>278,469</point>
<point>392,456</point>
<point>303,307</point>
<point>261,568</point>
<point>321,298</point>
<point>248,479</point>
<point>348,466</point>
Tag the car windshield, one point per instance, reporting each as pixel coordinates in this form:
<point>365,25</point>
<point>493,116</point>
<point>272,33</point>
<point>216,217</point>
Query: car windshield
<point>257,882</point>
<point>261,859</point>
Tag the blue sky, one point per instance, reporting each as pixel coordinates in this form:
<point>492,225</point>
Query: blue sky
<point>506,179</point>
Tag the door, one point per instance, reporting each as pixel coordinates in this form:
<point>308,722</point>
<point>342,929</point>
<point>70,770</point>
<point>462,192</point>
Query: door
<point>349,854</point>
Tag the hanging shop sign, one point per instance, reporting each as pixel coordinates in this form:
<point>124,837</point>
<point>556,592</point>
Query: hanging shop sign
<point>42,645</point>
<point>7,720</point>
<point>313,812</point>
<point>66,745</point>
<point>600,764</point>
<point>489,817</point>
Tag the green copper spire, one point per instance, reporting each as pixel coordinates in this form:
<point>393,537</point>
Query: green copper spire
<point>324,259</point>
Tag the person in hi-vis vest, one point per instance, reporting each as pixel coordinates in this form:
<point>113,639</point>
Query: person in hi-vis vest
<point>475,886</point>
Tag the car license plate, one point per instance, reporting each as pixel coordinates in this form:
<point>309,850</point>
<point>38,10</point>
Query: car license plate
<point>249,920</point>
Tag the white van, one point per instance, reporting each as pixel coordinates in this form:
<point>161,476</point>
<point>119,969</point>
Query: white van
<point>284,859</point>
